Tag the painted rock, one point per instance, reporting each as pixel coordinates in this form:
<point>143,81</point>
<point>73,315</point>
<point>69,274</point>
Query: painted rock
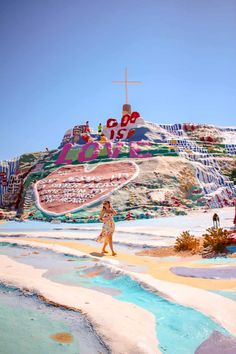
<point>73,187</point>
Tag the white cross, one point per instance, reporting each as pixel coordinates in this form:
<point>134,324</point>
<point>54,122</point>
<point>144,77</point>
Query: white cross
<point>126,83</point>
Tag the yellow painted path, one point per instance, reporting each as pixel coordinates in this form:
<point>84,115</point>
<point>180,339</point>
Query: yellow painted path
<point>155,267</point>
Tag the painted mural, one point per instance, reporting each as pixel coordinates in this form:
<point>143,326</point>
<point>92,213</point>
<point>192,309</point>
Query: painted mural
<point>10,183</point>
<point>71,188</point>
<point>178,171</point>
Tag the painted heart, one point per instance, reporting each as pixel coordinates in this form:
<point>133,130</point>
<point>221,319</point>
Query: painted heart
<point>73,187</point>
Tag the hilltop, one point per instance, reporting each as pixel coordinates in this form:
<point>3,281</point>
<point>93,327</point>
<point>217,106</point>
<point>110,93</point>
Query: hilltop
<point>152,170</point>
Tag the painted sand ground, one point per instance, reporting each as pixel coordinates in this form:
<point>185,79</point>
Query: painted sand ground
<point>152,299</point>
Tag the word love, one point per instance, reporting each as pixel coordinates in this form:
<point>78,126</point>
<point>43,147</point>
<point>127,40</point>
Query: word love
<point>71,188</point>
<point>123,130</point>
<point>91,151</point>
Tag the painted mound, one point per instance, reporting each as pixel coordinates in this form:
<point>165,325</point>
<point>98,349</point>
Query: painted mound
<point>217,343</point>
<point>178,168</point>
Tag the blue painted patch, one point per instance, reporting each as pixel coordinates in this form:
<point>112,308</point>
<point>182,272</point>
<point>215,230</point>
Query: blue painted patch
<point>28,323</point>
<point>229,294</point>
<point>206,273</point>
<point>231,249</point>
<point>216,260</point>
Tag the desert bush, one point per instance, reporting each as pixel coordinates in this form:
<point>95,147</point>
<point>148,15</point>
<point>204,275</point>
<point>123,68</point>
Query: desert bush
<point>216,240</point>
<point>187,242</point>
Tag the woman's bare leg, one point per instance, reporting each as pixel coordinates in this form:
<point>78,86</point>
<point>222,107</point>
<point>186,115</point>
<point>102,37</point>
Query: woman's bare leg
<point>111,246</point>
<point>104,247</point>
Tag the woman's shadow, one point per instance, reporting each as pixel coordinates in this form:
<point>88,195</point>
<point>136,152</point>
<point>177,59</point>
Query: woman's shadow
<point>97,254</point>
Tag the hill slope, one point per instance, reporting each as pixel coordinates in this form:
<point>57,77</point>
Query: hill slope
<point>159,170</point>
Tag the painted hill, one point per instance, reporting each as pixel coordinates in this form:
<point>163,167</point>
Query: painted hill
<point>155,170</point>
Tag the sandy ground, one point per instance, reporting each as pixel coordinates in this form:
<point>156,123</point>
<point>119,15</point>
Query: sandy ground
<point>153,272</point>
<point>131,322</point>
<point>166,252</point>
<point>148,232</point>
<point>196,222</point>
<point>190,292</point>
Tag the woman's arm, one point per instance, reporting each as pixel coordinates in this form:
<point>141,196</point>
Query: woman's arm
<point>113,211</point>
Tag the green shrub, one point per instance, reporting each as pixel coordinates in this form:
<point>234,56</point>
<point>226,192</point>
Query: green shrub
<point>187,242</point>
<point>216,240</point>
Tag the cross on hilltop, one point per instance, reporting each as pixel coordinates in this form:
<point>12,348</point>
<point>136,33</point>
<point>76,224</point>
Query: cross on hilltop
<point>127,106</point>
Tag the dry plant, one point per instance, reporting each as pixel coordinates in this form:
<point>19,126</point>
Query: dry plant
<point>216,240</point>
<point>187,242</point>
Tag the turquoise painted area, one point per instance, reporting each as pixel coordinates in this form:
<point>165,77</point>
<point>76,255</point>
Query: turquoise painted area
<point>25,331</point>
<point>7,244</point>
<point>179,329</point>
<point>216,260</point>
<point>27,323</point>
<point>229,294</point>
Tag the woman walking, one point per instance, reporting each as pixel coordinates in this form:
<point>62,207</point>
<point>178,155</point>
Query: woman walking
<point>108,227</point>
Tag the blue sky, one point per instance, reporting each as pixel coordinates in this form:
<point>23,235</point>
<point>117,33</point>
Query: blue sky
<point>59,58</point>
